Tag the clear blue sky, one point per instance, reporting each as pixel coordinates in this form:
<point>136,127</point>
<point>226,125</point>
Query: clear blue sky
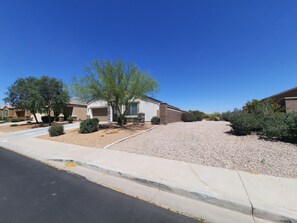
<point>211,55</point>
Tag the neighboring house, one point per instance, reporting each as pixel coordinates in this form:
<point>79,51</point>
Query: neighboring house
<point>76,109</point>
<point>286,99</point>
<point>9,111</point>
<point>149,106</point>
<point>1,110</point>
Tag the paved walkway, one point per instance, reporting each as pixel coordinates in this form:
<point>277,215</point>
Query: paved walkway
<point>266,197</point>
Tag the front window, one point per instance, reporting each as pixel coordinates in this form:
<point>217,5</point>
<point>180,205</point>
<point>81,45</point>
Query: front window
<point>132,110</point>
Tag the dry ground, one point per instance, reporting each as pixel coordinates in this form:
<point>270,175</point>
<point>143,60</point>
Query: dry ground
<point>99,139</point>
<point>20,127</point>
<point>209,143</point>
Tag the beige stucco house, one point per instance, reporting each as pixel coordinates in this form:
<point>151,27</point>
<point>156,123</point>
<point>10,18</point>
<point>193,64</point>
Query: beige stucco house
<point>9,111</point>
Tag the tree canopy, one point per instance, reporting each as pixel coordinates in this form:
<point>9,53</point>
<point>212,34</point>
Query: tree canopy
<point>23,94</point>
<point>118,83</point>
<point>38,95</point>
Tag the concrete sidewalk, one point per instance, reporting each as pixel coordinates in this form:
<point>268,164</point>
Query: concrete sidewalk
<point>266,197</point>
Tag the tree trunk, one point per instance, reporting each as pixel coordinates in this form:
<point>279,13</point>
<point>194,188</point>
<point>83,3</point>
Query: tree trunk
<point>49,117</point>
<point>35,118</point>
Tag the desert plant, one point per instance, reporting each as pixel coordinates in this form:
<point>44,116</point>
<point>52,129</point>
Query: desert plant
<point>242,123</point>
<point>89,125</point>
<point>14,125</point>
<point>70,119</point>
<point>45,119</point>
<point>16,120</point>
<point>215,116</point>
<point>155,120</point>
<point>122,120</point>
<point>198,115</point>
<point>56,130</point>
<point>188,117</point>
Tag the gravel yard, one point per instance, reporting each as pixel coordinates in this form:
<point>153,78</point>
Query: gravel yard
<point>100,138</point>
<point>209,143</point>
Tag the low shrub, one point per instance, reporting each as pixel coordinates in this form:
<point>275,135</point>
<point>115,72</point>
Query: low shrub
<point>45,119</point>
<point>281,126</point>
<point>215,116</point>
<point>242,123</point>
<point>188,117</point>
<point>56,130</point>
<point>16,120</point>
<point>291,121</point>
<point>70,119</point>
<point>89,125</point>
<point>199,116</point>
<point>155,120</point>
<point>14,125</point>
<point>122,120</point>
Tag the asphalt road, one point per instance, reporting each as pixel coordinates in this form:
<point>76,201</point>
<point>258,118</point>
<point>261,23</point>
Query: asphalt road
<point>32,192</point>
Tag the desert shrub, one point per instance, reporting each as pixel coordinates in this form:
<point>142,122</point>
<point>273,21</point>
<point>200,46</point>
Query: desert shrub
<point>45,119</point>
<point>70,119</point>
<point>122,120</point>
<point>188,117</point>
<point>227,116</point>
<point>242,123</point>
<point>155,120</point>
<point>291,121</point>
<point>14,125</point>
<point>56,130</point>
<point>215,116</point>
<point>274,126</point>
<point>89,125</point>
<point>198,115</point>
<point>16,120</point>
<point>281,126</point>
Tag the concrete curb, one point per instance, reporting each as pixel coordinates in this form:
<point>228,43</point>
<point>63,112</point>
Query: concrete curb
<point>128,137</point>
<point>197,194</point>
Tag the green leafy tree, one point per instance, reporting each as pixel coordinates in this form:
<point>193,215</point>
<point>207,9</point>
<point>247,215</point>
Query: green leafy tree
<point>52,95</point>
<point>23,94</point>
<point>117,83</point>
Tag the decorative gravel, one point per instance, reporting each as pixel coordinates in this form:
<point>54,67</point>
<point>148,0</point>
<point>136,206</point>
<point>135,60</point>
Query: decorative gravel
<point>210,143</point>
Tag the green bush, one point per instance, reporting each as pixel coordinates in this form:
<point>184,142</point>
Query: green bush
<point>215,116</point>
<point>122,120</point>
<point>242,123</point>
<point>15,120</point>
<point>45,119</point>
<point>14,125</point>
<point>291,121</point>
<point>56,130</point>
<point>281,126</point>
<point>89,125</point>
<point>188,117</point>
<point>155,120</point>
<point>70,119</point>
<point>198,115</point>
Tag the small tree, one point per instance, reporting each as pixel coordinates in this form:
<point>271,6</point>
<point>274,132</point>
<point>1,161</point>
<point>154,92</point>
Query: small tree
<point>23,94</point>
<point>117,83</point>
<point>53,95</point>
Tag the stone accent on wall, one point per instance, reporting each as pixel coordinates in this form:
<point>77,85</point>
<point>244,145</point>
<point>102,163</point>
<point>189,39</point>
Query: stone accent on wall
<point>169,114</point>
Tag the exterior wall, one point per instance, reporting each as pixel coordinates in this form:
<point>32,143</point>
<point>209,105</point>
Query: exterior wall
<point>80,112</point>
<point>169,115</point>
<point>150,109</point>
<point>173,115</point>
<point>99,104</point>
<point>8,113</point>
<point>291,105</point>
